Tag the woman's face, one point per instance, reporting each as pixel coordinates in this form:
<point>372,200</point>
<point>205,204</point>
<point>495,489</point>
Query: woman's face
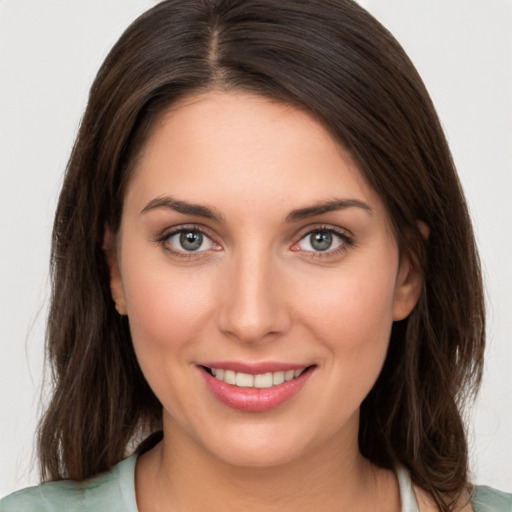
<point>252,248</point>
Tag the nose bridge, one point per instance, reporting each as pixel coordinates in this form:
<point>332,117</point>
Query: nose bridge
<point>252,306</point>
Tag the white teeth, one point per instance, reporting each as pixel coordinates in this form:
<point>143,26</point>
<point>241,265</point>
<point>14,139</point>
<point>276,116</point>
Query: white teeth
<point>229,377</point>
<point>261,380</point>
<point>289,375</point>
<point>277,378</point>
<point>244,380</point>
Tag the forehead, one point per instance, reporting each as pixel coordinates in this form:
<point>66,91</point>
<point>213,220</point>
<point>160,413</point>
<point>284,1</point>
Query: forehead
<point>232,147</point>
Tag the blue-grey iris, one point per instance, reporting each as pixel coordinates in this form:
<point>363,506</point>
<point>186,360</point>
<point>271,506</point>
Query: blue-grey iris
<point>191,240</point>
<point>321,240</point>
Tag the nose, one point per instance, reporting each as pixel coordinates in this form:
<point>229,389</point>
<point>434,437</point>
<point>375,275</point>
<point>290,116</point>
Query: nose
<point>254,307</point>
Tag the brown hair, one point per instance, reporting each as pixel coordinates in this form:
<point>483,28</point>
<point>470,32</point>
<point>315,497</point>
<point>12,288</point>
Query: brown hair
<point>331,58</point>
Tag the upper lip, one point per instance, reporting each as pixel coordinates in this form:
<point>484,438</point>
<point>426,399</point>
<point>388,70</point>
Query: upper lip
<point>254,368</point>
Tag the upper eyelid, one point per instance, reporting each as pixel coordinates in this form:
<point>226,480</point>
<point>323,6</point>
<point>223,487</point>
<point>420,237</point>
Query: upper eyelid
<point>171,231</point>
<point>163,240</point>
<point>307,230</point>
<point>346,237</point>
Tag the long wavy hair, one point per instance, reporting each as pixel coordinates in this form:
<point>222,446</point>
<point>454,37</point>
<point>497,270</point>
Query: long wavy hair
<point>335,61</point>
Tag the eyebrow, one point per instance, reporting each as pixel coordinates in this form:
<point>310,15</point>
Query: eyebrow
<point>198,210</point>
<point>326,207</point>
<point>183,207</point>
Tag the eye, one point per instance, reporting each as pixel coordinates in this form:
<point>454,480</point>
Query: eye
<point>188,240</point>
<point>322,240</point>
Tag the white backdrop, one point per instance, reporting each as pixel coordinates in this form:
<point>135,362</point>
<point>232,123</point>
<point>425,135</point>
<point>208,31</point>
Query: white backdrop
<point>49,54</point>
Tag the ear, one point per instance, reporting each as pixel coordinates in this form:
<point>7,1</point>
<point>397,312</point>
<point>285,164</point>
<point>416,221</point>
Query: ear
<point>409,281</point>
<point>407,290</point>
<point>116,283</point>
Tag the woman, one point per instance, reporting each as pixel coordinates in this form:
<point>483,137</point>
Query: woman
<point>261,249</point>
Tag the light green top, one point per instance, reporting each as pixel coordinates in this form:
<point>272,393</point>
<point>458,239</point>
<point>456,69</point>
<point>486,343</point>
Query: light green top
<point>114,491</point>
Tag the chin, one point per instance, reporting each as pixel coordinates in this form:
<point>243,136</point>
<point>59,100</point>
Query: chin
<point>263,445</point>
<point>257,456</point>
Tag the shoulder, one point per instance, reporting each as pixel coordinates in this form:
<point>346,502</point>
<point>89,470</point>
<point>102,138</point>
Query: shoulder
<point>487,499</point>
<point>111,491</point>
<point>49,497</point>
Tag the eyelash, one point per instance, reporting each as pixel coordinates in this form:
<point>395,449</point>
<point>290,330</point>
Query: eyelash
<point>346,241</point>
<point>165,237</point>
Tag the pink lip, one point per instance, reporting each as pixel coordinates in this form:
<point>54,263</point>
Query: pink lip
<point>255,399</point>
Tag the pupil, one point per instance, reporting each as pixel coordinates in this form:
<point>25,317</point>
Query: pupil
<point>191,240</point>
<point>321,240</point>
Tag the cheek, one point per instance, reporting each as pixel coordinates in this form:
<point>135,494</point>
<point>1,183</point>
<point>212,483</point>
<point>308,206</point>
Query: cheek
<point>353,323</point>
<point>351,316</point>
<point>359,308</point>
<point>168,312</point>
<point>167,308</point>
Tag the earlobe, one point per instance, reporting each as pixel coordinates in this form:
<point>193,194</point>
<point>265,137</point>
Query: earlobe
<point>423,229</point>
<point>116,283</point>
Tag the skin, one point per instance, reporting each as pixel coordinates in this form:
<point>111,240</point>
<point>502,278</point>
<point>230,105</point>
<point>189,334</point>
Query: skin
<point>257,291</point>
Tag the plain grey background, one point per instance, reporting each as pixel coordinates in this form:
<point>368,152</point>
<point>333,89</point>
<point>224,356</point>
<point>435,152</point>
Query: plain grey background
<point>49,54</point>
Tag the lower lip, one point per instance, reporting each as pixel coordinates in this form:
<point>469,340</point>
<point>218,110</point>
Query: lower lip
<point>255,399</point>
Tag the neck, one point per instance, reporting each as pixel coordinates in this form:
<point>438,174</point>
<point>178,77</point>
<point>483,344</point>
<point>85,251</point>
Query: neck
<point>178,475</point>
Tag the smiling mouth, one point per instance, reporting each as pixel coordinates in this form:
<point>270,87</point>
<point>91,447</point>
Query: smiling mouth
<point>250,391</point>
<point>259,381</point>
